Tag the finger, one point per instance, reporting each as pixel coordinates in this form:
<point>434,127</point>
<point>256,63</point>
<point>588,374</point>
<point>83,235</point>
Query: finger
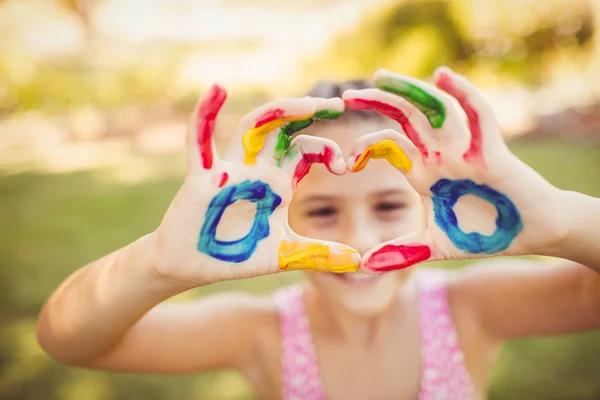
<point>200,138</point>
<point>386,144</point>
<point>252,132</point>
<point>481,118</point>
<point>413,122</point>
<point>327,109</point>
<point>301,253</point>
<point>400,253</point>
<point>427,98</point>
<point>438,107</point>
<point>307,150</point>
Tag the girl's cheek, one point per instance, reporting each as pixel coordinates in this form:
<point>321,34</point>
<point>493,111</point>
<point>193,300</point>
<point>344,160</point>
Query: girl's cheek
<point>328,231</point>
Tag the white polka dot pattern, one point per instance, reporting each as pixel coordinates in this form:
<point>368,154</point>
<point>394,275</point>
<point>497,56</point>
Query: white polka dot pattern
<point>445,376</point>
<point>301,379</point>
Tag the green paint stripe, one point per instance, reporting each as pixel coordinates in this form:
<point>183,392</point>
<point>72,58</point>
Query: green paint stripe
<point>283,144</point>
<point>327,114</point>
<point>430,105</point>
<point>284,139</point>
<point>290,153</point>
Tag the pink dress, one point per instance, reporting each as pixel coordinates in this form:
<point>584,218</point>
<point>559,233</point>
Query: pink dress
<point>444,374</point>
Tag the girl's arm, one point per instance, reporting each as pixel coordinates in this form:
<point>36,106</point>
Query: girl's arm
<point>582,232</point>
<point>517,298</point>
<point>106,314</point>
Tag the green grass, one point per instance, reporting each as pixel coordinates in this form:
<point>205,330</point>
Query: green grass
<point>54,223</point>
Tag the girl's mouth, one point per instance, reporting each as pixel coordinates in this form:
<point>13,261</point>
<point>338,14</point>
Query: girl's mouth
<point>358,278</point>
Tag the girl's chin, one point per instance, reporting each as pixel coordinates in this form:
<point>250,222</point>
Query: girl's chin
<point>359,279</point>
<point>366,294</point>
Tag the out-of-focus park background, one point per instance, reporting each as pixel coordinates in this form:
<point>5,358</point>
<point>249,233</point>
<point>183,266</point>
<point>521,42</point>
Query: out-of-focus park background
<point>94,100</point>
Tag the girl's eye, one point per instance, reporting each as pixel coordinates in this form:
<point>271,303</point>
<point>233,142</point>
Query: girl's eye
<point>389,206</point>
<point>322,212</point>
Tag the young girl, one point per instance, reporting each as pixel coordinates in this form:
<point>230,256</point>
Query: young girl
<point>358,328</point>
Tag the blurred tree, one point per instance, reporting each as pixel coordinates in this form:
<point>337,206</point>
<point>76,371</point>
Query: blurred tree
<point>414,37</point>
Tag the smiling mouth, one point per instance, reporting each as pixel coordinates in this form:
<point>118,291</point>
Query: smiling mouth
<point>358,278</point>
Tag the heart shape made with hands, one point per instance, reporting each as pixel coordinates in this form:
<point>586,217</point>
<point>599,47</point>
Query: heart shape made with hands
<point>229,219</point>
<point>452,147</point>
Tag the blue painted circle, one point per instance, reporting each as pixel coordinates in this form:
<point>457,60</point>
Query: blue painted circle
<point>508,223</point>
<point>238,250</point>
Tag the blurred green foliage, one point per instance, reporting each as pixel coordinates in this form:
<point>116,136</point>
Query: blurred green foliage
<point>411,37</point>
<point>415,37</point>
<point>54,223</point>
<point>27,84</point>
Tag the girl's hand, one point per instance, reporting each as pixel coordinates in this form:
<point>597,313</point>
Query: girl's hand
<point>479,199</point>
<point>229,219</point>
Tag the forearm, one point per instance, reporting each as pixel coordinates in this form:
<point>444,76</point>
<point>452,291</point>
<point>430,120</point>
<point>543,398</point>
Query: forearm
<point>582,236</point>
<point>92,310</point>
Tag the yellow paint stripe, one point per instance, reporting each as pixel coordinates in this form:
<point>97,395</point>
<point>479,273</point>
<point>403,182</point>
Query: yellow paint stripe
<point>253,139</point>
<point>316,257</point>
<point>387,149</point>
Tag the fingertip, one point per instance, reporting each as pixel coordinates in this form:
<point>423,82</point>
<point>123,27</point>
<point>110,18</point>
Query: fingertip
<point>212,100</point>
<point>391,257</point>
<point>349,94</point>
<point>381,73</point>
<point>335,103</point>
<point>217,84</point>
<point>444,78</point>
<point>350,163</point>
<point>332,108</point>
<point>338,166</point>
<point>441,70</point>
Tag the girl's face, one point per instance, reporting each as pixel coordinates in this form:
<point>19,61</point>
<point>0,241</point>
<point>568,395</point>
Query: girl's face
<point>361,210</point>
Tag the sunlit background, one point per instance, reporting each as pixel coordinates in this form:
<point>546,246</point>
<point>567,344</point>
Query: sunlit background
<point>94,100</point>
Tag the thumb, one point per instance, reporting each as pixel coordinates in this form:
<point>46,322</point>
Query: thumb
<point>400,253</point>
<point>301,253</point>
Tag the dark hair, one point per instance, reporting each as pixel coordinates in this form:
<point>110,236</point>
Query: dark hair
<point>329,89</point>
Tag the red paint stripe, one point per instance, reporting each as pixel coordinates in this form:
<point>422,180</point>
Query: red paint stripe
<point>438,157</point>
<point>307,160</point>
<point>224,178</point>
<point>392,257</point>
<point>393,113</point>
<point>475,152</point>
<point>269,116</point>
<point>205,123</point>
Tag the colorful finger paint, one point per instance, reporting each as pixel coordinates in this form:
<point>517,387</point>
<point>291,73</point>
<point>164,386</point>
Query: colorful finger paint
<point>391,112</point>
<point>286,132</point>
<point>254,138</point>
<point>283,145</point>
<point>224,178</point>
<point>392,257</point>
<point>431,106</point>
<point>220,179</point>
<point>385,149</point>
<point>508,223</point>
<point>308,159</point>
<point>475,153</point>
<point>241,249</point>
<point>317,257</point>
<point>205,123</point>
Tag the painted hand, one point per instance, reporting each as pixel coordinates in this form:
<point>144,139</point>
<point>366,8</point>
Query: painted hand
<point>229,219</point>
<point>479,200</point>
